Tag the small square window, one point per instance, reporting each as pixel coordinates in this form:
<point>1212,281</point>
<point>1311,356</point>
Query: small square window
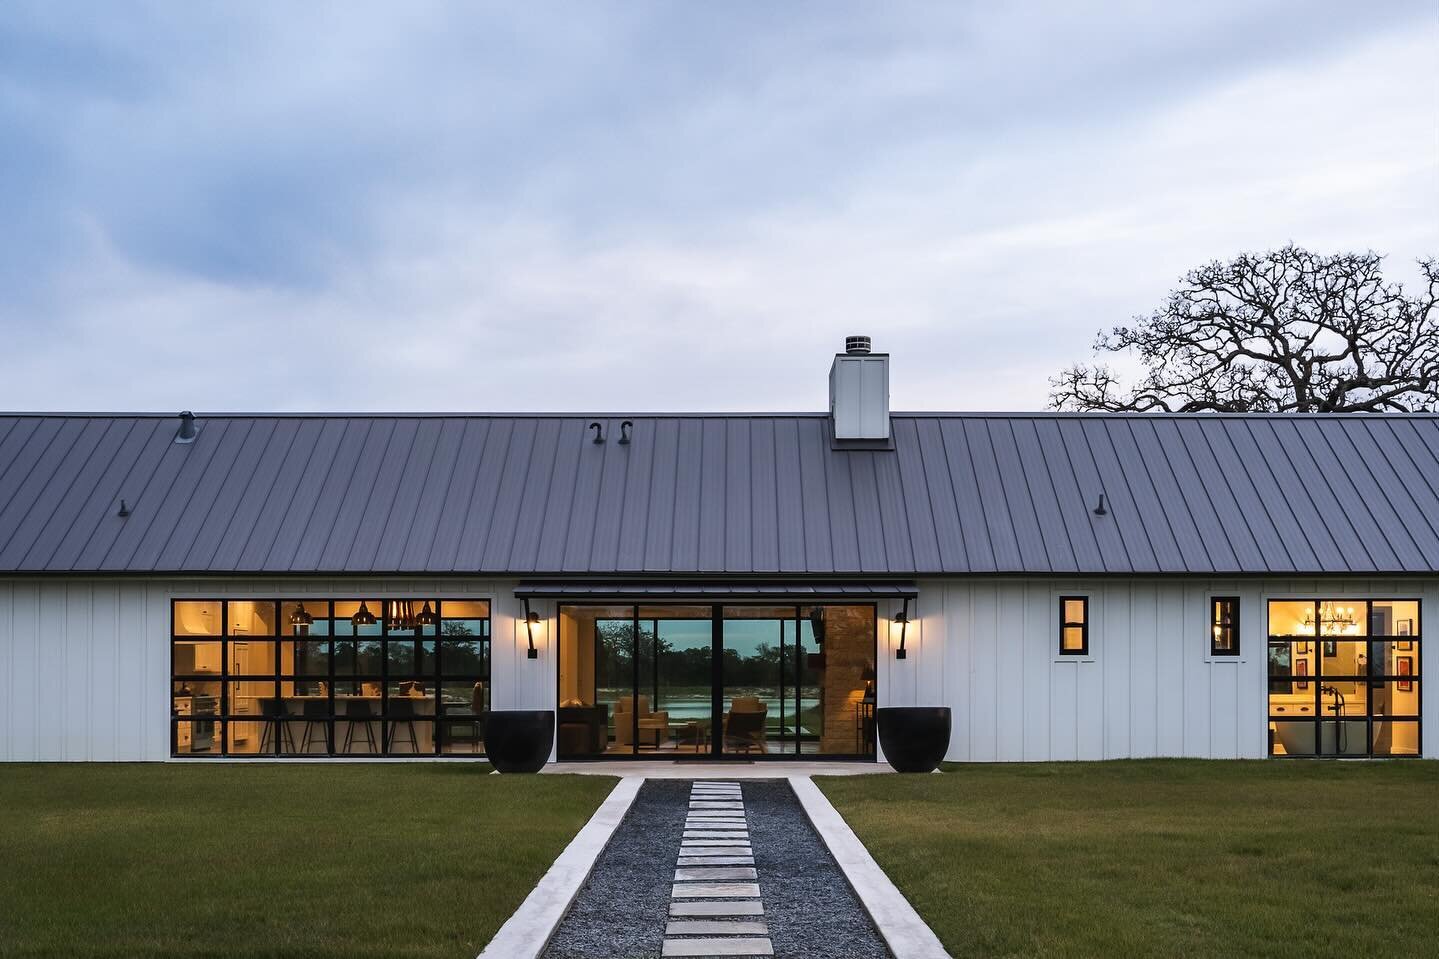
<point>1074,625</point>
<point>1224,626</point>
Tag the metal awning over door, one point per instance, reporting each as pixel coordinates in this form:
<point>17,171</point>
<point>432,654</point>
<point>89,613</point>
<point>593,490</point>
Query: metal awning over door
<point>715,590</point>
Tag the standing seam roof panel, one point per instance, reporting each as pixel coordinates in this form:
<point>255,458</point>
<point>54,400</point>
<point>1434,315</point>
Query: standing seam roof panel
<point>742,495</point>
<point>214,509</point>
<point>1402,549</point>
<point>86,498</point>
<point>21,523</point>
<point>243,490</point>
<point>1170,498</point>
<point>1059,553</point>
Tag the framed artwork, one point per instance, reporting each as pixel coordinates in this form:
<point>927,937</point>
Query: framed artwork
<point>1404,666</point>
<point>1301,668</point>
<point>1304,649</point>
<point>1331,648</point>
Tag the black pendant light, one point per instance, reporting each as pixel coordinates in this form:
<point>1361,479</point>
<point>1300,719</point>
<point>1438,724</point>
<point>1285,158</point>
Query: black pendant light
<point>363,616</point>
<point>300,619</point>
<point>426,615</point>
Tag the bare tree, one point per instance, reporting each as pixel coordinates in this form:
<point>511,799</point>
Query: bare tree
<point>1286,330</point>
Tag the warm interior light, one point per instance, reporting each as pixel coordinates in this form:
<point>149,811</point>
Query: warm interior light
<point>300,619</point>
<point>426,615</point>
<point>363,616</point>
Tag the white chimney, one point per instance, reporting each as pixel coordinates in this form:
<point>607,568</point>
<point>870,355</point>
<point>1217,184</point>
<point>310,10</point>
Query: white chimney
<point>859,392</point>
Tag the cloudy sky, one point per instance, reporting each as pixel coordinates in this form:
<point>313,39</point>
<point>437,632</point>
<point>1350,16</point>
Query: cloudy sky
<point>633,206</point>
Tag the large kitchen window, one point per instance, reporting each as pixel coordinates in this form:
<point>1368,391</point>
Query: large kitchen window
<point>323,677</point>
<point>1344,677</point>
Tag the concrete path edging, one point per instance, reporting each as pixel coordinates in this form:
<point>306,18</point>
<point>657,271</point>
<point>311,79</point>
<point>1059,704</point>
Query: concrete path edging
<point>905,932</point>
<point>526,933</point>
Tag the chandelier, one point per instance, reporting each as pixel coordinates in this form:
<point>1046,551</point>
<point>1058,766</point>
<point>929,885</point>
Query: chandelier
<point>400,615</point>
<point>1334,620</point>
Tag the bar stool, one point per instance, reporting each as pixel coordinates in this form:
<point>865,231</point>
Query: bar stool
<point>274,712</point>
<point>316,712</point>
<point>402,710</point>
<point>361,713</point>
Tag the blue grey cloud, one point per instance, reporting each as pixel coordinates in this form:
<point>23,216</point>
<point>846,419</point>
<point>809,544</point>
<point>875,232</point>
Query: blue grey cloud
<point>603,193</point>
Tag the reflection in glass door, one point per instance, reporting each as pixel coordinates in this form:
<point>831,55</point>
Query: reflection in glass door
<point>753,681</point>
<point>757,716</point>
<point>676,669</point>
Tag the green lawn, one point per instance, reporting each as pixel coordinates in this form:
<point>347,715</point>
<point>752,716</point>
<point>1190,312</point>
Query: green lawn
<point>271,860</point>
<point>1163,857</point>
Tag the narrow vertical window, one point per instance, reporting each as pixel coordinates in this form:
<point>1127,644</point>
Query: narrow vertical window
<point>1224,626</point>
<point>1074,625</point>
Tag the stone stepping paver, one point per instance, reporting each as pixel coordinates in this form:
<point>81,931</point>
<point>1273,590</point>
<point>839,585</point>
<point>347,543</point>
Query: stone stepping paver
<point>715,824</point>
<point>718,947</point>
<point>694,843</point>
<point>715,890</point>
<point>707,873</point>
<point>715,927</point>
<point>734,907</point>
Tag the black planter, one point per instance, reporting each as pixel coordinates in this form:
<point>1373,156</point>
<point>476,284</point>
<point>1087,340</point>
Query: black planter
<point>914,738</point>
<point>518,740</point>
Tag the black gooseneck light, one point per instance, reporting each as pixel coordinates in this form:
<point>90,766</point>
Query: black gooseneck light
<point>902,618</point>
<point>532,619</point>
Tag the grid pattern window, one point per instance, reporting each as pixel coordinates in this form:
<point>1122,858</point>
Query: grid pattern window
<point>1344,677</point>
<point>1074,625</point>
<point>1224,626</point>
<point>329,677</point>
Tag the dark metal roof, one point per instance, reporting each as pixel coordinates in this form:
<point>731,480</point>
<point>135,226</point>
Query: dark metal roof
<point>733,495</point>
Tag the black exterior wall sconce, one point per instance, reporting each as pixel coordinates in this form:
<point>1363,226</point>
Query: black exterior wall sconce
<point>901,620</point>
<point>532,619</point>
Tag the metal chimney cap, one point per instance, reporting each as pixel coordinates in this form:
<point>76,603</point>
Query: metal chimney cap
<point>856,344</point>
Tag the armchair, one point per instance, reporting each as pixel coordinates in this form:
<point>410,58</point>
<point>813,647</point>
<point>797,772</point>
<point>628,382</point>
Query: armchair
<point>744,724</point>
<point>650,721</point>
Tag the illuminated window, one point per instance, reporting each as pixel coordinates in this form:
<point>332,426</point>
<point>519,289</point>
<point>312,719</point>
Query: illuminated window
<point>378,676</point>
<point>1074,625</point>
<point>1224,626</point>
<point>1344,677</point>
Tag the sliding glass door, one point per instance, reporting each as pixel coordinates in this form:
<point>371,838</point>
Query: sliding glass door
<point>741,681</point>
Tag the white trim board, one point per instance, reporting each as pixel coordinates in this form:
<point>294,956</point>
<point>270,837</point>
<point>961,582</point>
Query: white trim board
<point>906,933</point>
<point>526,933</point>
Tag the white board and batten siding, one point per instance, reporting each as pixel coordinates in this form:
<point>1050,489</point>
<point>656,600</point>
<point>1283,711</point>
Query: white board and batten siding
<point>85,662</point>
<point>989,649</point>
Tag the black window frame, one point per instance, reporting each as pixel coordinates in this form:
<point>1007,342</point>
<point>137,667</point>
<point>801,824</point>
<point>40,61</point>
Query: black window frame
<point>1216,624</point>
<point>1316,678</point>
<point>1083,625</point>
<point>434,674</point>
<point>792,683</point>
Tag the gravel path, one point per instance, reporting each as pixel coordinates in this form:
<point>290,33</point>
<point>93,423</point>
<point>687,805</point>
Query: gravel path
<point>808,910</point>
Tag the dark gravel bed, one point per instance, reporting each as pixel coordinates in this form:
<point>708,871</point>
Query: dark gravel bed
<point>811,911</point>
<point>621,910</point>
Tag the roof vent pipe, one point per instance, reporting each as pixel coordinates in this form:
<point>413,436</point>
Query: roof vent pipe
<point>188,430</point>
<point>855,345</point>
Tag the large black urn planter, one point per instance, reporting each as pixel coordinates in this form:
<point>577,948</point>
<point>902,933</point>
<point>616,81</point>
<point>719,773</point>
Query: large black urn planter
<point>914,738</point>
<point>518,740</point>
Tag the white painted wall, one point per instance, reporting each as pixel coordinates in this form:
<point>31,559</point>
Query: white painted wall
<point>989,650</point>
<point>85,663</point>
